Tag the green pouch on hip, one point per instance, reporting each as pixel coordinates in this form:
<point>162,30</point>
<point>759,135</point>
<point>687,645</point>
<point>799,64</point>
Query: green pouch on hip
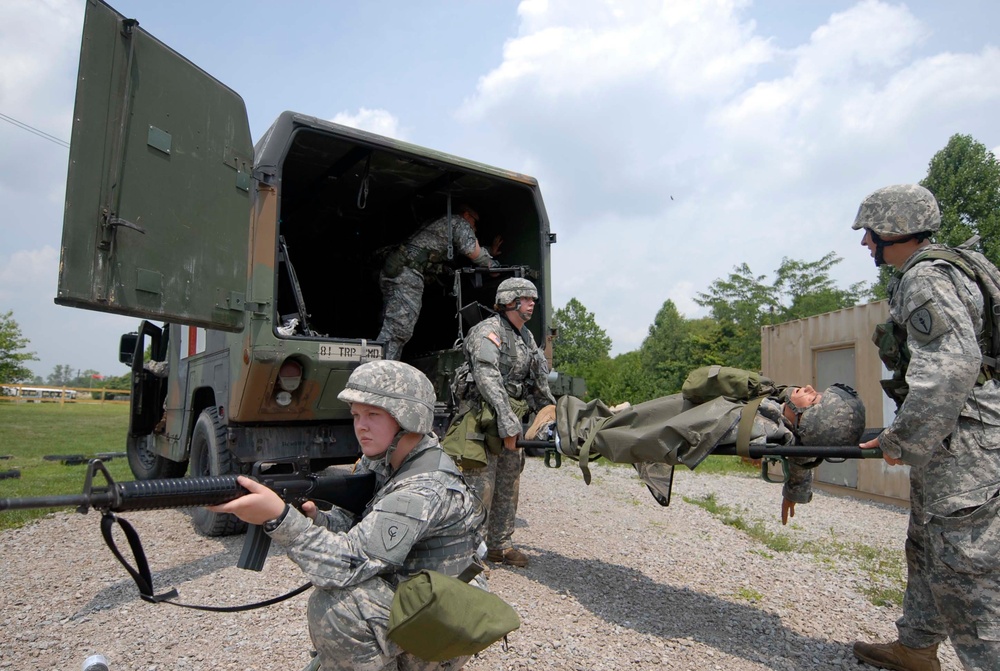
<point>464,443</point>
<point>436,617</point>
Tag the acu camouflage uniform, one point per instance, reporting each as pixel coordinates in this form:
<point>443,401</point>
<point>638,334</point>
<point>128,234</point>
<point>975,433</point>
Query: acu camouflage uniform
<point>403,275</point>
<point>422,516</point>
<point>947,429</point>
<point>505,369</point>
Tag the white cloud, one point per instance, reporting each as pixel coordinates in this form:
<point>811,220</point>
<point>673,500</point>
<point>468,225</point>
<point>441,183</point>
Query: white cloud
<point>377,121</point>
<point>28,271</point>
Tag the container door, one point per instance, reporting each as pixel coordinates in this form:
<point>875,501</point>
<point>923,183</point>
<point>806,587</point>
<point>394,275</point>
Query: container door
<point>157,211</point>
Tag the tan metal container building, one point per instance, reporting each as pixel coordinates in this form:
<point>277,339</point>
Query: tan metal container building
<point>837,347</point>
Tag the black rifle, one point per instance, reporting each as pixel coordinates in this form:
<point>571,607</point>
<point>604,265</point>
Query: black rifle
<point>291,479</point>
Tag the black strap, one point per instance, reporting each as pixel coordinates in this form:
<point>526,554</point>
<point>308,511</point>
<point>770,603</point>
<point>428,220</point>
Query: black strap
<point>144,578</point>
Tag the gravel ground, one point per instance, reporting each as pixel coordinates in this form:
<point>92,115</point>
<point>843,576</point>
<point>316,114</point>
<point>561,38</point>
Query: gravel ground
<point>615,582</point>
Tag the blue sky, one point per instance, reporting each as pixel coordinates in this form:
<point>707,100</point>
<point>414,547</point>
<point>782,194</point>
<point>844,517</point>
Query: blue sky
<point>672,140</point>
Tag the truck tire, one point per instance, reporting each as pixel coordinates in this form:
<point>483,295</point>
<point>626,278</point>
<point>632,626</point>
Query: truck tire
<point>146,465</point>
<point>209,457</point>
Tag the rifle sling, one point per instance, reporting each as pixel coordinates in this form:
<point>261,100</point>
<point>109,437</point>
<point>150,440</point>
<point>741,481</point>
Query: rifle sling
<point>144,578</point>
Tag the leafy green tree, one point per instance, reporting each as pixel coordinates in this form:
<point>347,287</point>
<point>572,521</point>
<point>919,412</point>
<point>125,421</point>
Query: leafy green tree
<point>806,289</point>
<point>61,376</point>
<point>623,378</point>
<point>965,179</point>
<point>580,342</point>
<point>743,302</point>
<point>673,347</point>
<point>12,356</point>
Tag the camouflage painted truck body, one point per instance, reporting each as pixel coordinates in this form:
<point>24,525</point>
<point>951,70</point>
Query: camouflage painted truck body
<point>173,216</point>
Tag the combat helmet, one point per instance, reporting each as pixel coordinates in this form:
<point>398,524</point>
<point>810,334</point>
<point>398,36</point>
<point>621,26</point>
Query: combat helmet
<point>513,288</point>
<point>838,418</point>
<point>903,209</point>
<point>396,387</point>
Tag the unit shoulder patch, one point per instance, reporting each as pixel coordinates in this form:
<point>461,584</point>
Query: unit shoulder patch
<point>925,323</point>
<point>391,531</point>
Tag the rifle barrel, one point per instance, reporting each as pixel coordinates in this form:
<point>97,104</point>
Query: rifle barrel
<point>142,495</point>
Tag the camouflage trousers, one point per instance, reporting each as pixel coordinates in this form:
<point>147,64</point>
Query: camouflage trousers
<point>953,581</point>
<point>497,485</point>
<point>348,629</point>
<point>402,297</point>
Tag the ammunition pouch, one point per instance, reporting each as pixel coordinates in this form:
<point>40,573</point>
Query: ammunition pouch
<point>472,434</point>
<point>465,442</point>
<point>436,617</point>
<point>405,256</point>
<point>896,389</point>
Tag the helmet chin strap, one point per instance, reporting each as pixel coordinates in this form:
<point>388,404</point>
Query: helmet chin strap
<point>525,316</point>
<point>386,456</point>
<point>881,244</point>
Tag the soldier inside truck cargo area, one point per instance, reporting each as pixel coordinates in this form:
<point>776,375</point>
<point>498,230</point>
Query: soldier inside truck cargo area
<point>946,428</point>
<point>407,266</point>
<point>504,377</point>
<point>423,516</point>
<point>686,427</point>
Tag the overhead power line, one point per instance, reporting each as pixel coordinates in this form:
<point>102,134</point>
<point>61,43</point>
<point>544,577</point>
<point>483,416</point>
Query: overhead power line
<point>31,129</point>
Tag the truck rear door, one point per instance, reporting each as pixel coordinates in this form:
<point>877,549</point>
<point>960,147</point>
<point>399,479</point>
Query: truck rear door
<point>158,190</point>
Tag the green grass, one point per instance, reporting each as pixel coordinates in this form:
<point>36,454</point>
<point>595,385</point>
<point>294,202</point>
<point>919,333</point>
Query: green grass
<point>30,431</point>
<point>715,464</point>
<point>885,570</point>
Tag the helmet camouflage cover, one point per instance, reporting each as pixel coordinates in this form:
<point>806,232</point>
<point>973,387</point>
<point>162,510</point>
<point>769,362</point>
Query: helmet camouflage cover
<point>396,387</point>
<point>513,288</point>
<point>838,418</point>
<point>903,209</point>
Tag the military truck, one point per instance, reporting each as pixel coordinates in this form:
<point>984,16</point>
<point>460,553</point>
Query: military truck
<point>255,267</point>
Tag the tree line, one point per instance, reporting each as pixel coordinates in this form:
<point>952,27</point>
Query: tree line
<point>964,177</point>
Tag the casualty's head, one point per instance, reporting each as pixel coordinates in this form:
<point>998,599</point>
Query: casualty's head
<point>389,399</point>
<point>897,214</point>
<point>835,416</point>
<point>517,295</point>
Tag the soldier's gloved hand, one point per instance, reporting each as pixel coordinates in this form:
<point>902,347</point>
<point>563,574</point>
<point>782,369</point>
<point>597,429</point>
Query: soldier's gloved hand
<point>510,443</point>
<point>787,510</point>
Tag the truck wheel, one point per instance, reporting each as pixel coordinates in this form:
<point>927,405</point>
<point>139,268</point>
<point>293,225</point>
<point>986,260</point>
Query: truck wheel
<point>147,465</point>
<point>210,457</point>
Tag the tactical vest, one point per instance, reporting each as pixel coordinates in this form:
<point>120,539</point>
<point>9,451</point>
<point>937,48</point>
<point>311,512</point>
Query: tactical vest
<point>891,337</point>
<point>448,554</point>
<point>464,387</point>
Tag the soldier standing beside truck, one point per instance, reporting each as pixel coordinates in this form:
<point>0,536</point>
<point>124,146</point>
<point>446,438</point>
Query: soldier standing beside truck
<point>406,266</point>
<point>505,376</point>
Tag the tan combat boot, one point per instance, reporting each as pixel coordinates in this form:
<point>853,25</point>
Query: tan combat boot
<point>511,556</point>
<point>897,656</point>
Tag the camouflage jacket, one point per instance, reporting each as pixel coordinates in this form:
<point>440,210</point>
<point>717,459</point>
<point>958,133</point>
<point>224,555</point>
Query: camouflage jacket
<point>505,364</point>
<point>393,537</point>
<point>429,245</point>
<point>941,310</point>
